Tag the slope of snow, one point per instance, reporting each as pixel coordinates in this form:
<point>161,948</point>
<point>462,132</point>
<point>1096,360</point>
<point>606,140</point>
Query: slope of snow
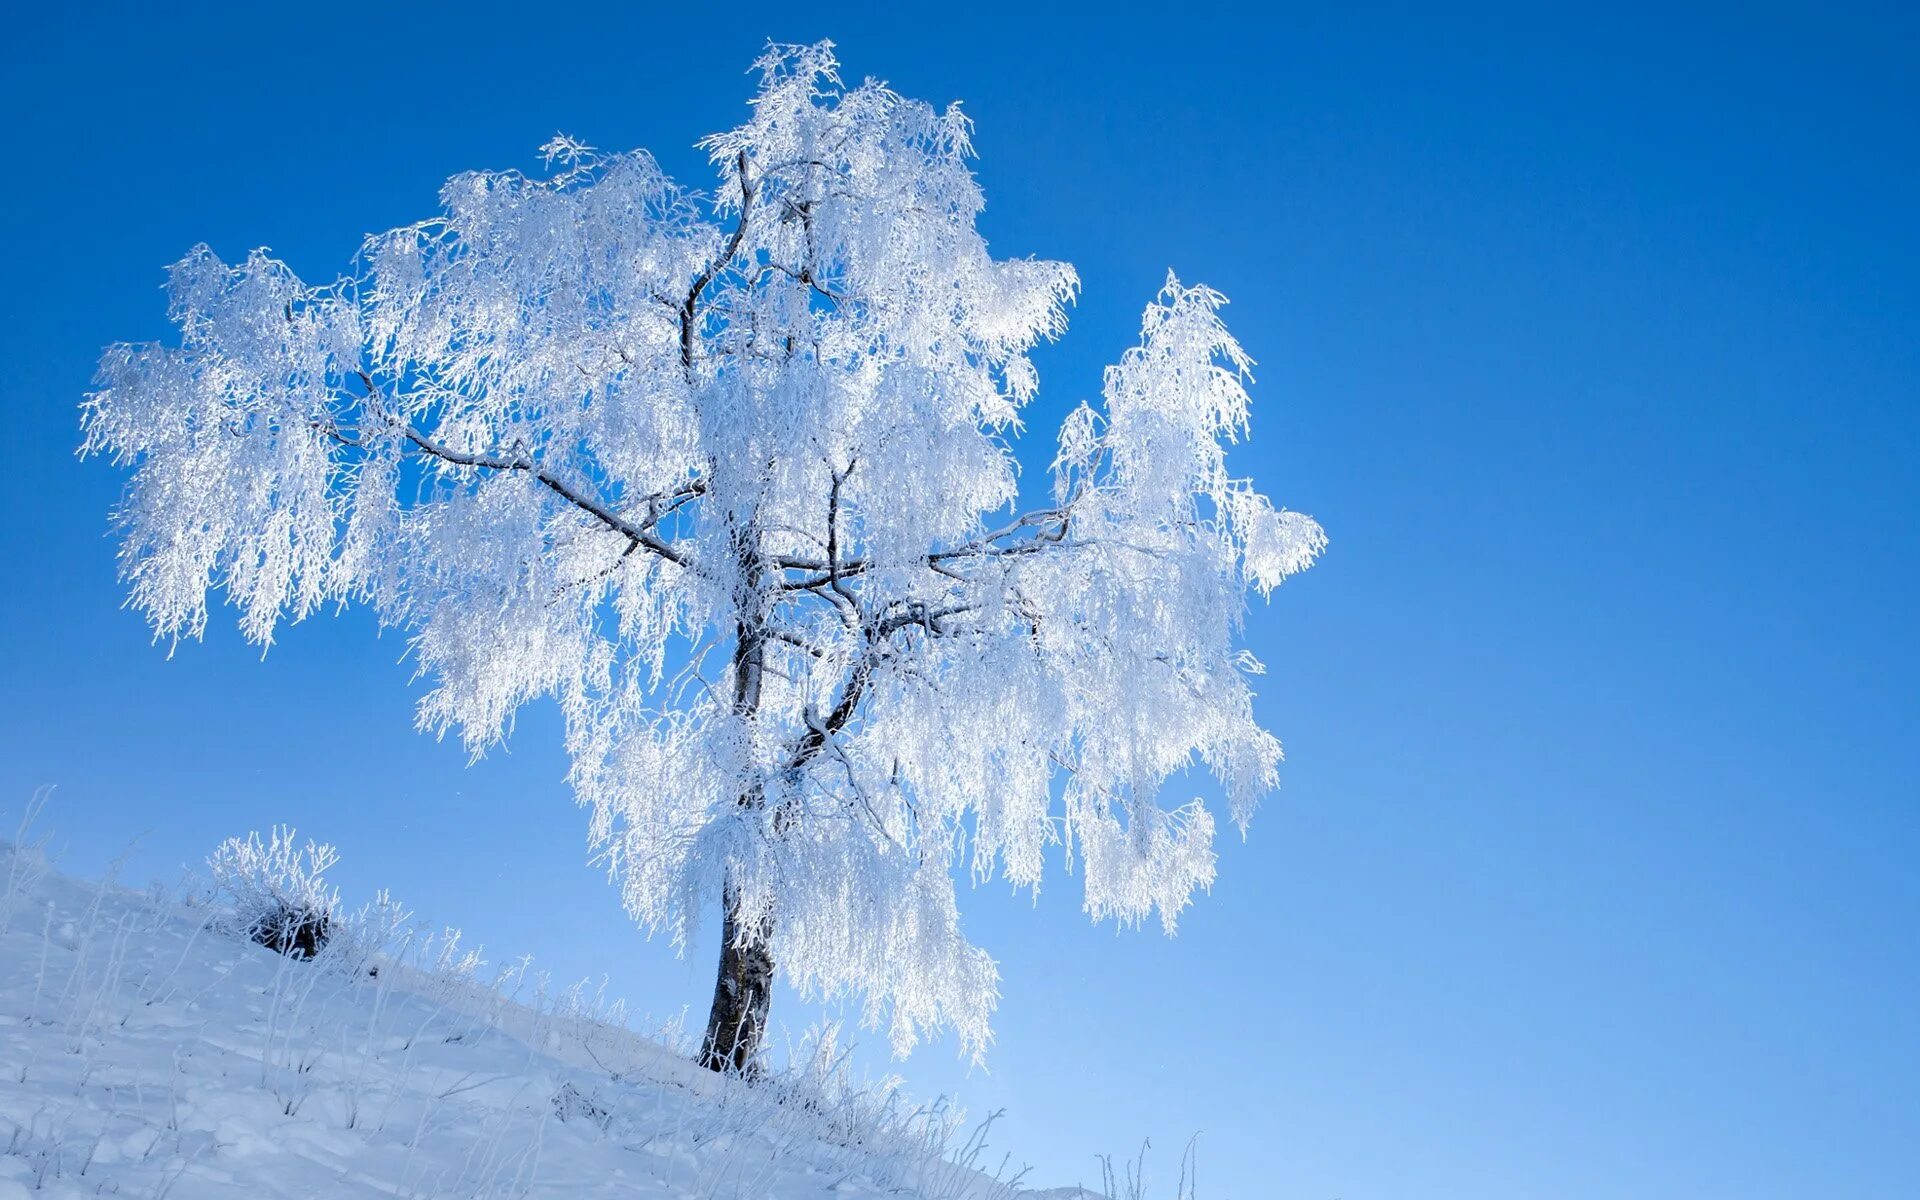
<point>147,1052</point>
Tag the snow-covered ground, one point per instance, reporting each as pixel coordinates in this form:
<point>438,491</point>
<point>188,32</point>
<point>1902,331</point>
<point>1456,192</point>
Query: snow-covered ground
<point>147,1051</point>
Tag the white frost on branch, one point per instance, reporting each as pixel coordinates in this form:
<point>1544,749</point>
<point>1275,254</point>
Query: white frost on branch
<point>729,476</point>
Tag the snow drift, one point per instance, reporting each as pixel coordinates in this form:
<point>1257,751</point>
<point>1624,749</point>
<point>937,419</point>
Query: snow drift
<point>148,1049</point>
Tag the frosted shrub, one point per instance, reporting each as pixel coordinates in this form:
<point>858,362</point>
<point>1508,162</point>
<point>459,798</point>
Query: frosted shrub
<point>278,890</point>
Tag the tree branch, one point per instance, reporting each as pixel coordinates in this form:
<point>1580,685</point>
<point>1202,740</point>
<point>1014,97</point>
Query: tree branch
<point>826,574</point>
<point>641,535</point>
<point>815,739</point>
<point>793,639</point>
<point>690,309</point>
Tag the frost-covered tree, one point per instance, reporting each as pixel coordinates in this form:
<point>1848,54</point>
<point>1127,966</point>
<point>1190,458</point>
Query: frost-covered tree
<point>731,478</point>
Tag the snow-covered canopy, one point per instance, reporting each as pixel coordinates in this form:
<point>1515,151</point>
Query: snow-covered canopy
<point>732,478</point>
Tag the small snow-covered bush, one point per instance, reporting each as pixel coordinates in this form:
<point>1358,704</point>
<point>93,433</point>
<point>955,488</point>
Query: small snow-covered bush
<point>279,891</point>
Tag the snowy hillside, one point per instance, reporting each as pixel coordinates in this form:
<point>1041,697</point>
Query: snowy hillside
<point>148,1051</point>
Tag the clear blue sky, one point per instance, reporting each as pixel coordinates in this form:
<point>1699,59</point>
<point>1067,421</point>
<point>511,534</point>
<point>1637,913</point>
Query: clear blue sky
<point>1591,340</point>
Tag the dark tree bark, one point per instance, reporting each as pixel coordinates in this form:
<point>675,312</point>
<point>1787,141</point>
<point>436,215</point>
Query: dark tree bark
<point>743,988</point>
<point>742,992</point>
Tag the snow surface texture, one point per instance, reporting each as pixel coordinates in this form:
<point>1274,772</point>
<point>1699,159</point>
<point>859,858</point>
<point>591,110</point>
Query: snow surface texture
<point>149,1049</point>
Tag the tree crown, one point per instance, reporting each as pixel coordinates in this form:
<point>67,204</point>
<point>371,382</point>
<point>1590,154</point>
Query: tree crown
<point>731,477</point>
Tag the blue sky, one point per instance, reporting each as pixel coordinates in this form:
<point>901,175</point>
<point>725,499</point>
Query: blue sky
<point>1592,342</point>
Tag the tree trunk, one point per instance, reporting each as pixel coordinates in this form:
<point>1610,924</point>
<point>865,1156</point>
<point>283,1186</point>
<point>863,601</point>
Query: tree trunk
<point>742,991</point>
